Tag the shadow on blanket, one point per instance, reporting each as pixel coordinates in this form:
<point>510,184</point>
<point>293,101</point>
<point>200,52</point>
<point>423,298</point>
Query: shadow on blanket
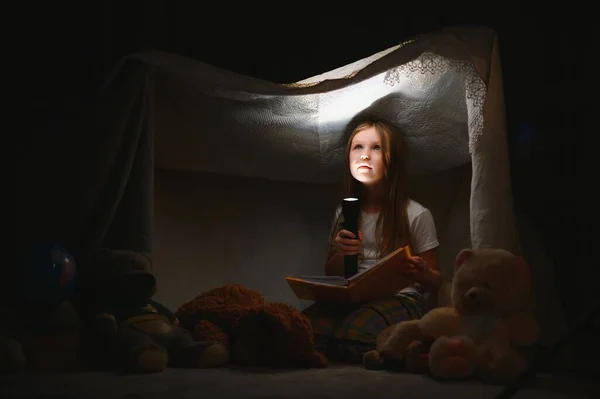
<point>257,332</point>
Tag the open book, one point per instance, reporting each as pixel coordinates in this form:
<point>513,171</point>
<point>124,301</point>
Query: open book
<point>380,281</point>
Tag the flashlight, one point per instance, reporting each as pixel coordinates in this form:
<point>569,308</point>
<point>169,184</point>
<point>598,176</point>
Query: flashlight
<point>351,210</point>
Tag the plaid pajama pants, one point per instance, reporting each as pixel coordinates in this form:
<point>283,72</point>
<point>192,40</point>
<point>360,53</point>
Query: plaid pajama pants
<point>345,333</point>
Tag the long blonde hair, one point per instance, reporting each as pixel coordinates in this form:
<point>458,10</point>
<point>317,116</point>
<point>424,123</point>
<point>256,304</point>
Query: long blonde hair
<point>392,229</point>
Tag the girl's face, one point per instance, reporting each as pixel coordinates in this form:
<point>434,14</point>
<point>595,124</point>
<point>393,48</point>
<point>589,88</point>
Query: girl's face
<point>366,157</point>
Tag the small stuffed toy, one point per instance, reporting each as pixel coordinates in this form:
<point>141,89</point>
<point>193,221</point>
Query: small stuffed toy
<point>257,332</point>
<point>41,337</point>
<point>12,355</point>
<point>488,332</point>
<point>39,325</point>
<point>137,333</point>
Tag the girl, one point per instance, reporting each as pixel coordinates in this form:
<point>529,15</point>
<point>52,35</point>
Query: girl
<point>376,174</point>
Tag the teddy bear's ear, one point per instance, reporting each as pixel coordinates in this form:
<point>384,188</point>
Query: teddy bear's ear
<point>463,256</point>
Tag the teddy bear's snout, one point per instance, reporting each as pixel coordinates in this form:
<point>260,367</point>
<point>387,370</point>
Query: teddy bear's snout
<point>473,294</point>
<point>478,299</point>
<point>474,298</point>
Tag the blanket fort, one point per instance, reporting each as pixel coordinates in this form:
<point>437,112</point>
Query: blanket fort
<point>161,113</point>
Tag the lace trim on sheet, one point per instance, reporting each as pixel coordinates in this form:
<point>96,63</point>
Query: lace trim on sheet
<point>475,89</point>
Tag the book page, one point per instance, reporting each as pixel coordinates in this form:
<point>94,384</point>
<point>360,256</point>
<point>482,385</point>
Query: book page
<point>382,260</point>
<point>383,280</point>
<point>326,280</point>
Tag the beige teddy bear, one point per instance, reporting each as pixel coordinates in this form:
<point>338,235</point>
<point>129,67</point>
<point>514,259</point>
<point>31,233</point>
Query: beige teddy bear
<point>488,332</point>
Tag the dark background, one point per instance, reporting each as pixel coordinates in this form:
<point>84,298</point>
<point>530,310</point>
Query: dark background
<point>67,51</point>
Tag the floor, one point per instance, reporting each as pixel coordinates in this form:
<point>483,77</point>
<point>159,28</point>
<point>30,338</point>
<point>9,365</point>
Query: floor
<point>341,381</point>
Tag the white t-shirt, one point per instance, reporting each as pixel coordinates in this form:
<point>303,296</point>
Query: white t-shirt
<point>422,229</point>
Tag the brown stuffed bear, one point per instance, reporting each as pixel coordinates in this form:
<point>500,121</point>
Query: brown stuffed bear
<point>131,331</point>
<point>487,332</point>
<point>258,333</point>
